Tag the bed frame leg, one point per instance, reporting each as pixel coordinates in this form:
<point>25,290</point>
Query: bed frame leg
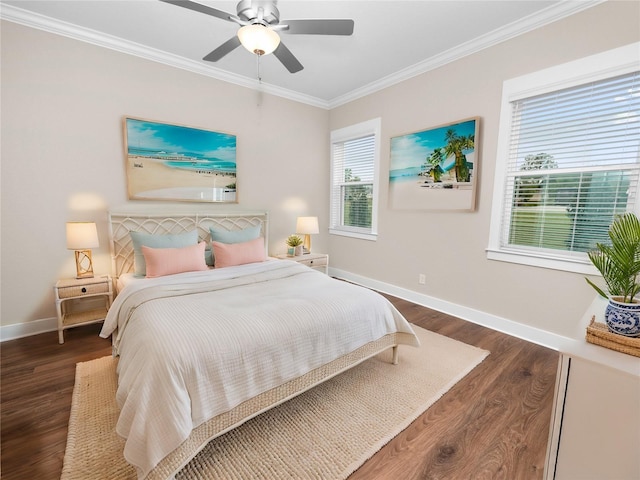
<point>394,360</point>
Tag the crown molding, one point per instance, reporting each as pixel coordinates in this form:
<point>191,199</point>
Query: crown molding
<point>539,19</point>
<point>58,27</point>
<point>549,15</point>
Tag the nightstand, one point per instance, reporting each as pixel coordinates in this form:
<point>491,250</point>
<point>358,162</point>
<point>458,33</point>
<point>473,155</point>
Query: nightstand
<point>81,301</point>
<point>317,261</point>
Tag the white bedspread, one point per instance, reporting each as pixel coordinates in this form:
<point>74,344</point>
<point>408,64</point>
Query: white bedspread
<point>193,346</point>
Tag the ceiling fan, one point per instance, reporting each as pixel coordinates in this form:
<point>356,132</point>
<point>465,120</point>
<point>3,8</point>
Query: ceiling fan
<point>260,22</point>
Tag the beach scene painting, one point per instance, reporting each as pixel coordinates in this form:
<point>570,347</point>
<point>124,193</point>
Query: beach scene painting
<point>435,169</point>
<point>179,163</point>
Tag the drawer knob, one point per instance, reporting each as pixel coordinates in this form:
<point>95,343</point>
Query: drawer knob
<point>84,290</point>
<point>311,262</point>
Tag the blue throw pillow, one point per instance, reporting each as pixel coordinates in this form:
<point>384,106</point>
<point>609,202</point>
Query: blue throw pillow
<point>234,236</point>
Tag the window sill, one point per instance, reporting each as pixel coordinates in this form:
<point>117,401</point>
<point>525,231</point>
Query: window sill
<point>534,260</point>
<point>363,236</point>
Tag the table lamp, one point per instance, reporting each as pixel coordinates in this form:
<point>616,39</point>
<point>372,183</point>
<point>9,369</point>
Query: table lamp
<point>307,226</point>
<point>82,237</point>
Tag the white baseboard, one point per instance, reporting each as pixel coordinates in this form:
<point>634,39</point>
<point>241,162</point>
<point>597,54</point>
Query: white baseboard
<point>515,329</point>
<point>26,329</point>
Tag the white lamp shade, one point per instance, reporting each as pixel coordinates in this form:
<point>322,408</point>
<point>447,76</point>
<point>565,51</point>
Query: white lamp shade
<point>258,39</point>
<point>307,225</point>
<point>82,235</point>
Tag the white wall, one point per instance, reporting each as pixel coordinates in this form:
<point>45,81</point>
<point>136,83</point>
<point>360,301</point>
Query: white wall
<point>63,155</point>
<point>449,248</point>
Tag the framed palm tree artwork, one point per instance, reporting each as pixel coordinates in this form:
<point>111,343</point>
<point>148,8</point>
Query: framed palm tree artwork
<point>435,169</point>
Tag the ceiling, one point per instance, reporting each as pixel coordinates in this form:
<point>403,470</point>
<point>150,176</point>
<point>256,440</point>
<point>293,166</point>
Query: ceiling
<point>392,40</point>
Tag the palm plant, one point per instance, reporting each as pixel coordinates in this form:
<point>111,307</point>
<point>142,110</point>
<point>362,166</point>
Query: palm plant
<point>294,240</point>
<point>619,263</point>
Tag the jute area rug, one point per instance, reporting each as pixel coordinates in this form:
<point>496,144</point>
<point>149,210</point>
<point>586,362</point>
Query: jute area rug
<point>325,433</point>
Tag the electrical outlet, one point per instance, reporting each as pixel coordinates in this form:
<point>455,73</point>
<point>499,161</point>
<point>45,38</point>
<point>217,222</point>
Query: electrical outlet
<point>422,279</point>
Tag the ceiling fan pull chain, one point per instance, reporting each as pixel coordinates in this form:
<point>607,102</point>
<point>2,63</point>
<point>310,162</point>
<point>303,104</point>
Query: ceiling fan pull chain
<point>258,67</point>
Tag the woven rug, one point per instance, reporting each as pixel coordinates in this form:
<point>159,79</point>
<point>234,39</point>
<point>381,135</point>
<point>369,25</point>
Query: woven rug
<point>325,433</point>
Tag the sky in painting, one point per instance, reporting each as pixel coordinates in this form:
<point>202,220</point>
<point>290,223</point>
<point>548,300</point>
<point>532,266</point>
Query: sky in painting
<point>412,150</point>
<point>175,139</point>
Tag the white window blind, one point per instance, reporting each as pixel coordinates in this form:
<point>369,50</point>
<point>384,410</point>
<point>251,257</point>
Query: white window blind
<point>572,163</point>
<point>354,165</point>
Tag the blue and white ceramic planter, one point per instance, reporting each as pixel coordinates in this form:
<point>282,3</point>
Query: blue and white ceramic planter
<point>623,318</point>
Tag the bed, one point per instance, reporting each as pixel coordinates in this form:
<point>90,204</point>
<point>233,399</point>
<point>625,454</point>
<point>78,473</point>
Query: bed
<point>200,352</point>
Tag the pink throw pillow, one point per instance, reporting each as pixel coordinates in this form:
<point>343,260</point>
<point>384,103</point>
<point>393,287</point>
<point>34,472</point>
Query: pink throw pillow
<point>167,261</point>
<point>229,254</point>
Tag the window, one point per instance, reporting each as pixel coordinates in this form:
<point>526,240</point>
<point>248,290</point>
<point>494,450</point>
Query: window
<point>568,160</point>
<point>355,158</point>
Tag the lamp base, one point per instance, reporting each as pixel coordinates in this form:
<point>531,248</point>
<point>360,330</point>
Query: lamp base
<point>84,264</point>
<point>306,244</point>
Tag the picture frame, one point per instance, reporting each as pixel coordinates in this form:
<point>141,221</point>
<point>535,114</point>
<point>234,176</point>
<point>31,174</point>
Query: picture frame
<point>435,169</point>
<point>178,163</point>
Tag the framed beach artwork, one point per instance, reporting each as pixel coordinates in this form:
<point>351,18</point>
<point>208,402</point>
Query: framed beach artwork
<point>178,163</point>
<point>435,169</point>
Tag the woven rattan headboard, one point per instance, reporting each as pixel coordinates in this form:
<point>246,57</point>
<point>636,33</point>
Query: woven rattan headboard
<point>120,224</point>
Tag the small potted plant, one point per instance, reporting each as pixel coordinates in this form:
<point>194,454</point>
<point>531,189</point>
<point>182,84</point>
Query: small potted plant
<point>619,265</point>
<point>295,245</point>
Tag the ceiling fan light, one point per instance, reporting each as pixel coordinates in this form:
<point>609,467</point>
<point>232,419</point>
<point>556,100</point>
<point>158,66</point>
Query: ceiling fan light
<point>258,39</point>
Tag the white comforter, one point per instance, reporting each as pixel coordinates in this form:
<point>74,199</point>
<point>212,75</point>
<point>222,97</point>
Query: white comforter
<point>193,346</point>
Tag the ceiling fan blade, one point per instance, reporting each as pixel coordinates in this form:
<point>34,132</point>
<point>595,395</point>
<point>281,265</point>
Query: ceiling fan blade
<point>198,7</point>
<point>287,58</point>
<point>222,50</point>
<point>319,26</point>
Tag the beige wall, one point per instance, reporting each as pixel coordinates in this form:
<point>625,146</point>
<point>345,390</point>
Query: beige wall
<point>62,159</point>
<point>62,152</point>
<point>449,248</point>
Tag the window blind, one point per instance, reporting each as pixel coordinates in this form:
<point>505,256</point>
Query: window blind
<point>573,164</point>
<point>353,167</point>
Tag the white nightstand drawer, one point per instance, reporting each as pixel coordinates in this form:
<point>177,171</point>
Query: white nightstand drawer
<point>82,290</point>
<point>317,261</point>
<point>313,262</point>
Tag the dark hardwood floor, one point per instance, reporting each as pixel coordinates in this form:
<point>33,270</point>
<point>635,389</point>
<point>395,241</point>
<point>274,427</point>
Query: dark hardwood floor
<point>493,424</point>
